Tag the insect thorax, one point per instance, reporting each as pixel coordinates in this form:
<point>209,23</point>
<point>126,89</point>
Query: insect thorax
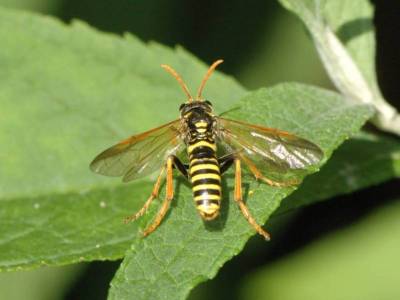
<point>199,121</point>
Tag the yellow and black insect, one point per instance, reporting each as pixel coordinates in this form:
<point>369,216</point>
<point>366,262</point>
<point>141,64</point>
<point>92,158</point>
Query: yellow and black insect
<point>276,157</point>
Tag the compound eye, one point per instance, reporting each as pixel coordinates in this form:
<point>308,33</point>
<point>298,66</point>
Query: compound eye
<point>181,106</point>
<point>208,102</point>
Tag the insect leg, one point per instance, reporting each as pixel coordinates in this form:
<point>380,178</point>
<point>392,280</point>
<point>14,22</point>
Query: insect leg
<point>169,195</point>
<point>242,205</point>
<point>225,162</point>
<point>180,166</point>
<point>154,194</point>
<point>258,175</point>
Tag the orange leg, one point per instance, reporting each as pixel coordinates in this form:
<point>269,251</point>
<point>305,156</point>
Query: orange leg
<point>258,175</point>
<point>242,205</point>
<point>169,195</point>
<point>154,194</point>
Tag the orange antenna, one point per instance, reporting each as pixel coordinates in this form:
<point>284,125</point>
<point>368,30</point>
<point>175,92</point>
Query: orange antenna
<point>208,74</point>
<point>180,81</point>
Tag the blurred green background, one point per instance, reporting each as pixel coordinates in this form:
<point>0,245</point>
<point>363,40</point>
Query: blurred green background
<point>347,248</point>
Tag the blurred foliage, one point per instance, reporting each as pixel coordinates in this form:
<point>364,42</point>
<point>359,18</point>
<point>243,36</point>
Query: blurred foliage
<point>360,262</point>
<point>44,284</point>
<point>43,6</point>
<point>268,47</point>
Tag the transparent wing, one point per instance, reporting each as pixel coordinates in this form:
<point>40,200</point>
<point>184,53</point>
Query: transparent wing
<point>278,155</point>
<point>141,154</point>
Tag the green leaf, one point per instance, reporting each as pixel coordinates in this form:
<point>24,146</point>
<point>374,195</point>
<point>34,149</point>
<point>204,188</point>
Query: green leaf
<point>66,93</point>
<point>184,251</point>
<point>352,22</point>
<point>358,262</point>
<point>348,56</point>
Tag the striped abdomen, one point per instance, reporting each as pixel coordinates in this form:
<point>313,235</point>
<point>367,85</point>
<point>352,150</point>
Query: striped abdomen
<point>205,177</point>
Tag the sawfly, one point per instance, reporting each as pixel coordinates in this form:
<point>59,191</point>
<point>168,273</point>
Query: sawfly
<point>273,156</point>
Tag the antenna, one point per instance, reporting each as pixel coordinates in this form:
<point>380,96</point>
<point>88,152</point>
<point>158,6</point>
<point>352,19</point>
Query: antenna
<point>208,74</point>
<point>180,81</point>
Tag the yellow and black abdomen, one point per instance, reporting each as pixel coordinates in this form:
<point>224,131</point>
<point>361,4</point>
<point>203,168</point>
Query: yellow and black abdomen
<point>205,177</point>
